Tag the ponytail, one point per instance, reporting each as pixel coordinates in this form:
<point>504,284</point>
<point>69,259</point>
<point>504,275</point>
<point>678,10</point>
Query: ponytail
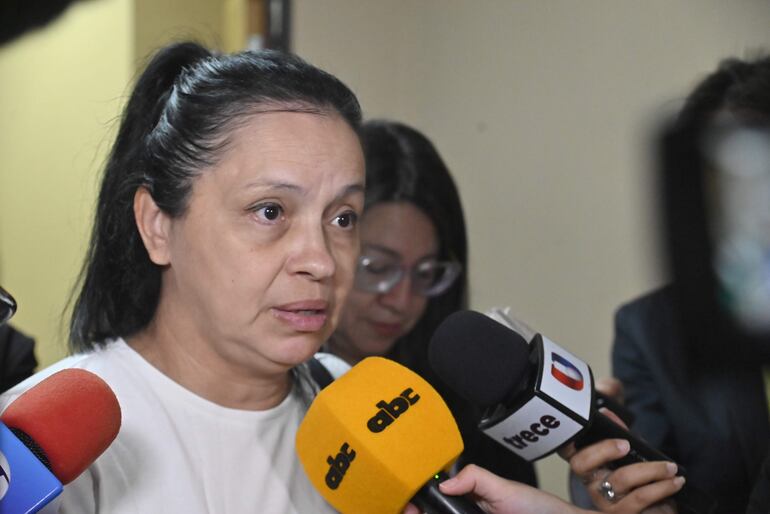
<point>118,278</point>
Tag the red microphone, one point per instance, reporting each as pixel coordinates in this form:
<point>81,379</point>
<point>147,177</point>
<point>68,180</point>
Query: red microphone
<point>50,434</point>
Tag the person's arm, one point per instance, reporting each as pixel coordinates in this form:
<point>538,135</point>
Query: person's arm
<point>633,325</point>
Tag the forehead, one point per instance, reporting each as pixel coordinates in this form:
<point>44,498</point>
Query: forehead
<point>305,149</point>
<point>400,227</point>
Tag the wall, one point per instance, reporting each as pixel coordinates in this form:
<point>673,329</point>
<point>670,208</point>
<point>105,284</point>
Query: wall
<point>543,110</point>
<point>161,21</point>
<point>60,92</point>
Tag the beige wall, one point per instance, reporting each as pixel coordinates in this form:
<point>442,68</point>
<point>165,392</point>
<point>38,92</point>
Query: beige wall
<point>541,109</point>
<point>160,21</point>
<point>60,91</point>
<point>61,94</point>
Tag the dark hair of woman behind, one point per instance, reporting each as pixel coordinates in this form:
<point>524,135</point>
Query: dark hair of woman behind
<point>175,125</point>
<point>403,166</point>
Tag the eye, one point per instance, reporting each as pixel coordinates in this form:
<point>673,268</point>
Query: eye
<point>346,220</point>
<point>269,212</point>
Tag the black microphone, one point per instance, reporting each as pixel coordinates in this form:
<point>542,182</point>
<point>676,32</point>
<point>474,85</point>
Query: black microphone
<point>537,396</point>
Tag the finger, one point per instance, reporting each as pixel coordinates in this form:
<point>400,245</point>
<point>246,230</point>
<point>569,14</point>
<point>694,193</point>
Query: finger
<point>633,476</point>
<point>614,417</point>
<point>472,479</point>
<point>598,455</point>
<point>650,494</point>
<point>411,509</point>
<point>567,451</point>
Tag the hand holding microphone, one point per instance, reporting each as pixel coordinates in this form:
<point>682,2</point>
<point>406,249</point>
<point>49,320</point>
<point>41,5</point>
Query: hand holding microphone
<point>50,435</point>
<point>538,396</point>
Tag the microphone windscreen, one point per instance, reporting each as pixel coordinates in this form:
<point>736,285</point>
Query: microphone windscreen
<point>373,437</point>
<point>73,416</point>
<point>481,359</point>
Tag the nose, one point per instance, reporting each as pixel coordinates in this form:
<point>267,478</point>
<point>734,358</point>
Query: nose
<point>400,296</point>
<point>311,256</point>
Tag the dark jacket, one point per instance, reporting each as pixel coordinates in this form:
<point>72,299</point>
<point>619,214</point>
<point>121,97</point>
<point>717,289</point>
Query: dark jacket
<point>713,423</point>
<point>17,358</point>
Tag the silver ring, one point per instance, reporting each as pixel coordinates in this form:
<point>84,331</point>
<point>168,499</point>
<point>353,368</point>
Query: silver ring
<point>606,490</point>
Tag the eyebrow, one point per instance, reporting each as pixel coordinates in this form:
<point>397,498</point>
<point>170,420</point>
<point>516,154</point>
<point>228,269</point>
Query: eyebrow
<point>392,253</point>
<point>348,190</point>
<point>351,189</point>
<point>274,184</point>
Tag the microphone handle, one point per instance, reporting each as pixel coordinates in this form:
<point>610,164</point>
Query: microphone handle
<point>689,499</point>
<point>430,500</point>
<point>623,412</point>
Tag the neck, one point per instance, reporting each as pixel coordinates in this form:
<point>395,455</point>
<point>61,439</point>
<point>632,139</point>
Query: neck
<point>194,364</point>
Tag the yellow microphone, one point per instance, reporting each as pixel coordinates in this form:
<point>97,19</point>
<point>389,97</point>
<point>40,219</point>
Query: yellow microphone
<point>379,437</point>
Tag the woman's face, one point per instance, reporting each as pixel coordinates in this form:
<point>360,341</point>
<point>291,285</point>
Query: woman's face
<point>372,322</point>
<point>259,265</point>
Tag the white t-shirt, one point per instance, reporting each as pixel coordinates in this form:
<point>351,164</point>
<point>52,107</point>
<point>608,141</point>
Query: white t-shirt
<point>179,453</point>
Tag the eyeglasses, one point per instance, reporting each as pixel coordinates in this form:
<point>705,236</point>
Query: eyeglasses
<point>7,306</point>
<point>380,270</point>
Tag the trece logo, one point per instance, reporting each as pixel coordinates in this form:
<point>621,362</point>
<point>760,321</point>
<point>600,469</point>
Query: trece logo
<point>566,373</point>
<point>390,411</point>
<point>338,465</point>
<point>5,475</point>
<point>535,432</point>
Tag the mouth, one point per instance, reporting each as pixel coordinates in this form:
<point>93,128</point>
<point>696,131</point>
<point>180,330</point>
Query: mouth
<point>386,329</point>
<point>303,316</point>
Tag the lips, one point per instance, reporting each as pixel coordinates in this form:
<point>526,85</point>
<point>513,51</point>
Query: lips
<point>303,316</point>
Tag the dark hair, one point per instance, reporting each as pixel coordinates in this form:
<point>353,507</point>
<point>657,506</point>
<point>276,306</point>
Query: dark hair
<point>737,86</point>
<point>176,123</point>
<point>711,338</point>
<point>402,165</point>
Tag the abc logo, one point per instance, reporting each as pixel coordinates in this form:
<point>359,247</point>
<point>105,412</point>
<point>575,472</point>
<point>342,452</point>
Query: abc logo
<point>5,475</point>
<point>390,411</point>
<point>339,465</point>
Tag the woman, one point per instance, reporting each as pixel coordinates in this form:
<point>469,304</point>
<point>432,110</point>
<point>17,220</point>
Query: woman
<point>695,381</point>
<point>224,245</point>
<point>412,272</point>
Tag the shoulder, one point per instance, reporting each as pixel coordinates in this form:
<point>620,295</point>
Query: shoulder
<point>14,339</point>
<point>649,304</point>
<point>100,361</point>
<point>650,314</point>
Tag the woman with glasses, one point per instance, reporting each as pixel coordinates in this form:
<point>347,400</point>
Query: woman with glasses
<point>412,272</point>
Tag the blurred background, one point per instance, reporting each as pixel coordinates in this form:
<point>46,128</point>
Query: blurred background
<point>542,109</point>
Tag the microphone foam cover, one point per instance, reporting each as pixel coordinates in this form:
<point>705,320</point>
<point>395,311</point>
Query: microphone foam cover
<point>73,416</point>
<point>375,436</point>
<point>481,359</point>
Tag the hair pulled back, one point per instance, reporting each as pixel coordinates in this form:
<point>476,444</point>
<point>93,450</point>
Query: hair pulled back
<point>176,123</point>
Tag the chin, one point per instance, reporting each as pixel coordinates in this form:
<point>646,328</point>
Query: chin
<point>301,349</point>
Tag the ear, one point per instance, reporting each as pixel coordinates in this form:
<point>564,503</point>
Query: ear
<point>153,224</point>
